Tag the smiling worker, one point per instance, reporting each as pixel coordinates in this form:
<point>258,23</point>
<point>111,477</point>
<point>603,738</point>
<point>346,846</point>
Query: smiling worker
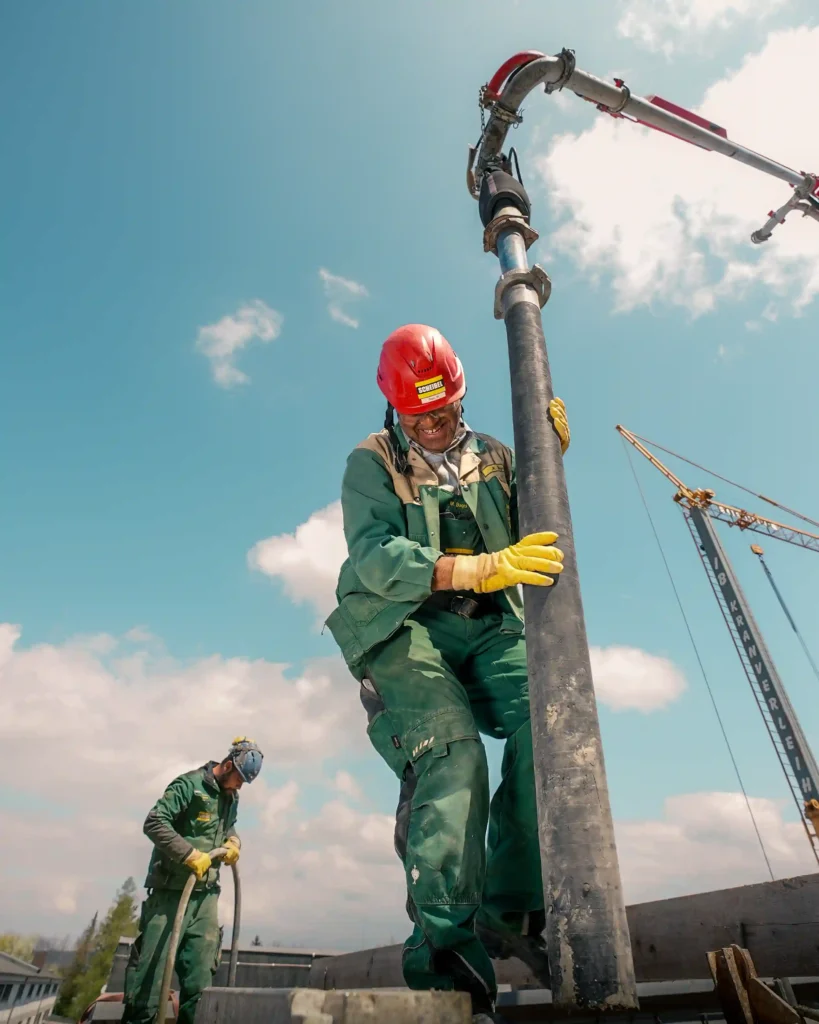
<point>430,621</point>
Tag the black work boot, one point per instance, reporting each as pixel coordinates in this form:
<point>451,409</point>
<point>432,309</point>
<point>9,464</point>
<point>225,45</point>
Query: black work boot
<point>502,941</point>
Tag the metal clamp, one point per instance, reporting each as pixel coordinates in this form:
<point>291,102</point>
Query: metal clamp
<point>504,222</point>
<point>569,64</point>
<point>536,277</point>
<point>507,116</point>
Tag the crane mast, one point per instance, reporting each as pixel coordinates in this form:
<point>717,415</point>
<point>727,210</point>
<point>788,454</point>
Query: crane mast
<point>789,741</point>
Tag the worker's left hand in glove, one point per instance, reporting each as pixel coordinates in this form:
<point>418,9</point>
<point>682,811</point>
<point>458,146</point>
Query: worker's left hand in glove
<point>199,863</point>
<point>557,410</point>
<point>532,560</point>
<point>232,847</point>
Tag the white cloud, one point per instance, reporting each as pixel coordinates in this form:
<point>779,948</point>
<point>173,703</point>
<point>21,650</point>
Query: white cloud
<point>671,25</point>
<point>347,786</point>
<point>279,805</point>
<point>706,841</point>
<point>341,291</point>
<point>100,734</point>
<point>626,678</point>
<point>223,341</point>
<point>102,728</point>
<point>308,560</point>
<point>670,222</point>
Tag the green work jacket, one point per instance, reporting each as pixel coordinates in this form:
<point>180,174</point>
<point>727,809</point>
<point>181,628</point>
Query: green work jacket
<point>192,813</point>
<point>393,533</point>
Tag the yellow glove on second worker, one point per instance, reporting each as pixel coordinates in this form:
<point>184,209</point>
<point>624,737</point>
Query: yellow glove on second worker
<point>232,846</point>
<point>524,562</point>
<point>557,410</point>
<point>199,863</point>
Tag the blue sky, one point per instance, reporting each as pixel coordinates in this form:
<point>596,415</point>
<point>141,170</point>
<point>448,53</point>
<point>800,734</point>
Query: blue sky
<point>172,163</point>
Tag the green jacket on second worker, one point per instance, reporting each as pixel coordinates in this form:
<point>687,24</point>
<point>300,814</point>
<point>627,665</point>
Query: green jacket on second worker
<point>193,813</point>
<point>393,532</point>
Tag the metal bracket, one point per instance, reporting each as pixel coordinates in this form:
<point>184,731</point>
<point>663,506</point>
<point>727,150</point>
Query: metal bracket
<point>498,225</point>
<point>536,277</point>
<point>802,200</point>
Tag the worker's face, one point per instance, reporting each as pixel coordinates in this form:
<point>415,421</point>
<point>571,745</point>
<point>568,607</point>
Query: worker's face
<point>230,780</point>
<point>434,430</point>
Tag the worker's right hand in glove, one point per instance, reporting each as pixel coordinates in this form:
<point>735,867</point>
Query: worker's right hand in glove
<point>199,863</point>
<point>532,560</point>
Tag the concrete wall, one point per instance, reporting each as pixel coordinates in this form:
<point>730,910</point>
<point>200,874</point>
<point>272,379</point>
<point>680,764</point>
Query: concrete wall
<point>258,967</point>
<point>777,921</point>
<point>254,1006</point>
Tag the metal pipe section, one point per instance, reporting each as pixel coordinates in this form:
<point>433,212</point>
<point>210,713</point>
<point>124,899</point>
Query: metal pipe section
<point>586,929</point>
<point>615,99</point>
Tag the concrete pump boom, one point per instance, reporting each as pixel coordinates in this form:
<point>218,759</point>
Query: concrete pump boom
<point>523,72</point>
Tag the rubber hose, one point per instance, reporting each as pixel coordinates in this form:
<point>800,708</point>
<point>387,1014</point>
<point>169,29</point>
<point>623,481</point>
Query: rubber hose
<point>173,942</point>
<point>237,924</point>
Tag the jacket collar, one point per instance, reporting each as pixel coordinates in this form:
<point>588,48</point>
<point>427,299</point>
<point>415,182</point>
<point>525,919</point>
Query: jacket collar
<point>208,777</point>
<point>212,783</point>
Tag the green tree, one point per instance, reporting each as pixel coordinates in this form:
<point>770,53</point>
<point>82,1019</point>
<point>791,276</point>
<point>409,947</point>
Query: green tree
<point>76,969</point>
<point>21,946</point>
<point>120,920</point>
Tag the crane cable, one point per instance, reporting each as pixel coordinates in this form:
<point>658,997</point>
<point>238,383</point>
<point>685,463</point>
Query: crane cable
<point>785,609</point>
<point>733,483</point>
<point>699,660</point>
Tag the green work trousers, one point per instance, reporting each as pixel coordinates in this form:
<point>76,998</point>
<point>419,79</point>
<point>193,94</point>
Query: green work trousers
<point>198,955</point>
<point>429,691</point>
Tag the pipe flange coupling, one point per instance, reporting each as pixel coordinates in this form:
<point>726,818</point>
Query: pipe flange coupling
<point>536,277</point>
<point>507,116</point>
<point>498,225</point>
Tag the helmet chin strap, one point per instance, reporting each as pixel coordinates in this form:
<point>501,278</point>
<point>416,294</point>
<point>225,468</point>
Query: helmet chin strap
<point>398,453</point>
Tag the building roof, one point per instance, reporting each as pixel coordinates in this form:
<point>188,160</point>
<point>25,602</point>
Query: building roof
<point>13,965</point>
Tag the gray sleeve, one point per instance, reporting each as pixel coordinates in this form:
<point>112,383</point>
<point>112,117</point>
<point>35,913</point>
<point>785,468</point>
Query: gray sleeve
<point>159,825</point>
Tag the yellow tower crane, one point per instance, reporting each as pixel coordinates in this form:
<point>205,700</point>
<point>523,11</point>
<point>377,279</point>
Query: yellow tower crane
<point>699,507</point>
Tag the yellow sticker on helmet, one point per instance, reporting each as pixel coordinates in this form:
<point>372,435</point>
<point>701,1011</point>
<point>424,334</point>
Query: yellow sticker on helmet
<point>431,390</point>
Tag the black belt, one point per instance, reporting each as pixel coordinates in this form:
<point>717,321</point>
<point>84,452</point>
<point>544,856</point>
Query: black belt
<point>460,604</point>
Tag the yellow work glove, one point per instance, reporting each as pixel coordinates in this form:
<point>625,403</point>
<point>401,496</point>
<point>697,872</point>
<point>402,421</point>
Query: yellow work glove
<point>199,863</point>
<point>525,562</point>
<point>557,410</point>
<point>232,847</point>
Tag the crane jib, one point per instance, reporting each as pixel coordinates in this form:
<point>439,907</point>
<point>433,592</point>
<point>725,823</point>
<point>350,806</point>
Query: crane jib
<point>763,676</point>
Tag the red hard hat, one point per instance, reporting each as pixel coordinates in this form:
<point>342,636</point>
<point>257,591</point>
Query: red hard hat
<point>418,371</point>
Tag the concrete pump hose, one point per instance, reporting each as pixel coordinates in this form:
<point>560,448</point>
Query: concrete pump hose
<point>237,924</point>
<point>173,943</point>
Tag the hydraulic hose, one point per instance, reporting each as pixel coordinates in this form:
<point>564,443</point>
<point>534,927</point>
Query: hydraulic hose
<point>237,924</point>
<point>176,932</point>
